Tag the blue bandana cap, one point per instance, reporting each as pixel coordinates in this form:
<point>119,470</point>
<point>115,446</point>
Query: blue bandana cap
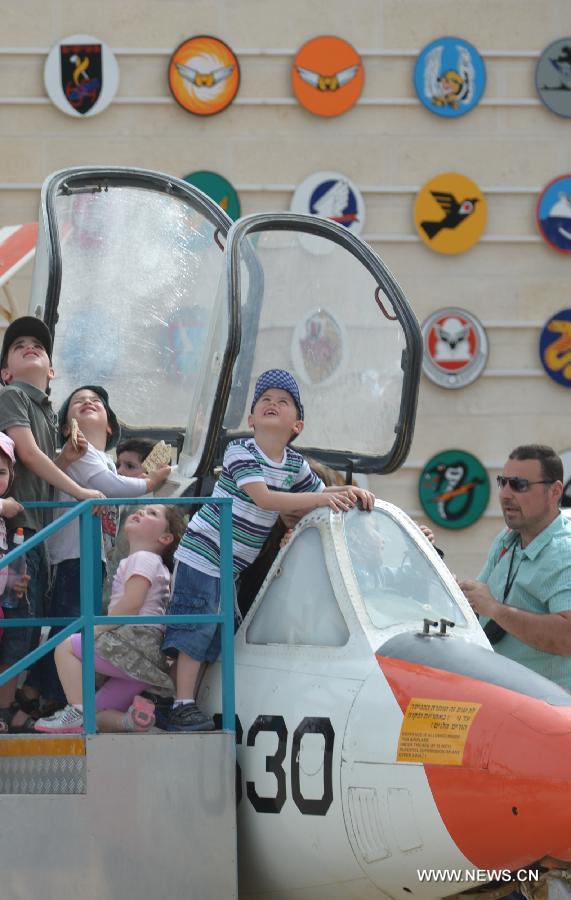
<point>278,378</point>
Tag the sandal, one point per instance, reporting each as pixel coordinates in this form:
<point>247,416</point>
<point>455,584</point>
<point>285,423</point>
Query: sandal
<point>141,714</point>
<point>7,717</point>
<point>28,726</point>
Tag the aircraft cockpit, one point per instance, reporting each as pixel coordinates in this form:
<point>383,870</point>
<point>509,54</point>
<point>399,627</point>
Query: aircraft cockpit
<point>356,576</point>
<point>397,583</point>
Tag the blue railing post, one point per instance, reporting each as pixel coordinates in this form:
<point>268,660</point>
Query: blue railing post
<point>90,592</point>
<point>227,626</point>
<point>97,567</point>
<point>87,580</point>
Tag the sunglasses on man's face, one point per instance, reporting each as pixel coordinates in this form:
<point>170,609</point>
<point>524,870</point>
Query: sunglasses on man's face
<point>519,485</point>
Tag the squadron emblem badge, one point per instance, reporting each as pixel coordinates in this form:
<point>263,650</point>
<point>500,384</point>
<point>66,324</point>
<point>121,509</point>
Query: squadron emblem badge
<point>332,196</point>
<point>327,76</point>
<point>554,214</point>
<point>81,75</point>
<point>318,347</point>
<point>218,189</point>
<point>553,77</point>
<point>450,213</point>
<point>204,75</point>
<point>449,77</point>
<point>555,347</point>
<point>455,348</point>
<point>454,489</point>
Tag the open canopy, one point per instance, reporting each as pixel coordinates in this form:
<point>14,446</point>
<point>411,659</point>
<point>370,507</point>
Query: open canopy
<point>316,300</point>
<point>151,293</point>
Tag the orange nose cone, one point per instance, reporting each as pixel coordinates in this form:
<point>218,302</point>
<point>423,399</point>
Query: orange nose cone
<point>504,798</point>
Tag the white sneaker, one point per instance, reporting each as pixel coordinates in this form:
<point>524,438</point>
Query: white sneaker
<point>64,721</point>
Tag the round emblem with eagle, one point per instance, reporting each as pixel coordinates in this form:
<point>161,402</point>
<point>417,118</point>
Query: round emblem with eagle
<point>204,75</point>
<point>455,347</point>
<point>327,76</point>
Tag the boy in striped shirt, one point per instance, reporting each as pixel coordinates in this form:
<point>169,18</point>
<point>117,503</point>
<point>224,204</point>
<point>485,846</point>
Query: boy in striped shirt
<point>265,478</point>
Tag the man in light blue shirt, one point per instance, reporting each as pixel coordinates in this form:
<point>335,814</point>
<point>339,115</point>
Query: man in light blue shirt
<point>523,593</point>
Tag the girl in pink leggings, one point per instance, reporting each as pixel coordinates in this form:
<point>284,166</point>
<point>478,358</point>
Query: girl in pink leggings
<point>128,655</point>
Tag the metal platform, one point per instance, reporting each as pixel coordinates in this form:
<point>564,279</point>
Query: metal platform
<point>118,817</point>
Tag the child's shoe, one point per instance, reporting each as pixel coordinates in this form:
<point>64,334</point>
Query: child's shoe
<point>65,721</point>
<point>163,707</point>
<point>140,716</point>
<point>188,717</point>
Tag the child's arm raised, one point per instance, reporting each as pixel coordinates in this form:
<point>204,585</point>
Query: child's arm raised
<point>338,500</point>
<point>114,485</point>
<point>34,459</point>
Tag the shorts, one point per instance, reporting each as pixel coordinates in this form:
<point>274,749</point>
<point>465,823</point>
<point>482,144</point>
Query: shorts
<point>15,642</point>
<point>193,592</point>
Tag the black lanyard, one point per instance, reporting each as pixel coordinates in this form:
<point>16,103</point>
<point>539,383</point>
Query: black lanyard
<point>511,578</point>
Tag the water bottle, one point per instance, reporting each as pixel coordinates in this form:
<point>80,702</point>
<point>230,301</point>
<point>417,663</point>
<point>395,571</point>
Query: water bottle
<point>11,599</point>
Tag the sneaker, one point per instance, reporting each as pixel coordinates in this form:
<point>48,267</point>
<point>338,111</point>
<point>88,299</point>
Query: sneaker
<point>65,721</point>
<point>188,717</point>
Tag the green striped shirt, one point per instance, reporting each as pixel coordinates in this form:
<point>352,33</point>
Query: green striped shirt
<point>243,464</point>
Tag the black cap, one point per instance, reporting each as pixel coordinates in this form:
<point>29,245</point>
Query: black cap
<point>111,417</point>
<point>26,326</point>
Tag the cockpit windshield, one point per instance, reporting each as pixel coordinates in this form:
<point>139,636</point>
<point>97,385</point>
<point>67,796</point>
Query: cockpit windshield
<point>395,579</point>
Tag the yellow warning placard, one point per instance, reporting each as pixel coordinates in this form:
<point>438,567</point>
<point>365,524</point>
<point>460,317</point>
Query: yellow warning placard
<point>435,731</point>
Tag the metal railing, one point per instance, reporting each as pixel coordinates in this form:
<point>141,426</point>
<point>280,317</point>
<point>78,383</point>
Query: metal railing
<point>91,597</point>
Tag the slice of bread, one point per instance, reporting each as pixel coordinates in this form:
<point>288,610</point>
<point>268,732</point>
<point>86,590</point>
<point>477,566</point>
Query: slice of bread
<point>160,455</point>
<point>74,433</point>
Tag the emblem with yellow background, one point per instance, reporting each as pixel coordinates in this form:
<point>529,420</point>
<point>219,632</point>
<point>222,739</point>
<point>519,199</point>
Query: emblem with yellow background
<point>204,75</point>
<point>327,76</point>
<point>450,213</point>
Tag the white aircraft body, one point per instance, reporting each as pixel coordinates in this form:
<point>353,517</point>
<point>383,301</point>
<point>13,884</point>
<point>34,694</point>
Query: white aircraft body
<point>370,751</point>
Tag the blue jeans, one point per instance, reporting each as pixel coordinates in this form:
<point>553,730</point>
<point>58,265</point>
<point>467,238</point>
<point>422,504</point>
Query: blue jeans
<point>193,592</point>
